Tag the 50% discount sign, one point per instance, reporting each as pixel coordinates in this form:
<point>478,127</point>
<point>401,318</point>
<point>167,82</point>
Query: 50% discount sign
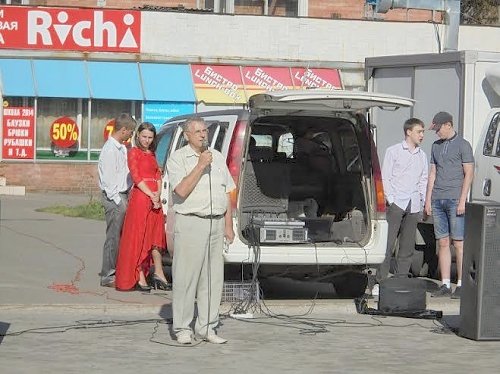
<point>64,132</point>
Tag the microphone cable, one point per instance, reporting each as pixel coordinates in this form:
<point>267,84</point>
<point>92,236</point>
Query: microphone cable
<point>209,272</point>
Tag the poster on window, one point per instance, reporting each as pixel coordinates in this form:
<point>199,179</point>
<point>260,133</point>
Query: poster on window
<point>159,112</point>
<point>18,133</point>
<point>64,134</point>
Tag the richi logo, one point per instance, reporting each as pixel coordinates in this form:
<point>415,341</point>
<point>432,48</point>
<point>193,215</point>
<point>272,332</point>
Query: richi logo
<point>84,29</point>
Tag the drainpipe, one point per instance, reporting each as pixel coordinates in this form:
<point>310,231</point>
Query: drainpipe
<point>303,8</point>
<point>450,7</point>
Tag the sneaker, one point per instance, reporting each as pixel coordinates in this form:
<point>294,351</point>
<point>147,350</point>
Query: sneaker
<point>184,337</point>
<point>442,291</point>
<point>376,290</point>
<point>457,293</point>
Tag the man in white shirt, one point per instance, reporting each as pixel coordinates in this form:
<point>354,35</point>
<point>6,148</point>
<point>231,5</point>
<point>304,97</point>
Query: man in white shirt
<point>200,183</point>
<point>404,176</point>
<point>115,182</point>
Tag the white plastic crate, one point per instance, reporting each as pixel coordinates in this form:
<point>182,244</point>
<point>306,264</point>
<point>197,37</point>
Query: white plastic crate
<point>240,291</point>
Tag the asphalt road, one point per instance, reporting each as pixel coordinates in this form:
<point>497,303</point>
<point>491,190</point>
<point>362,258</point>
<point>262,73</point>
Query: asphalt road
<point>55,318</point>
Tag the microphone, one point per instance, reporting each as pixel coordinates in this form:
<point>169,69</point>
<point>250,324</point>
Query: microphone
<point>204,145</point>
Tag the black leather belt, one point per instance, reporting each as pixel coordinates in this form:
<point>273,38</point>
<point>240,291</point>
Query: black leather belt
<point>210,216</point>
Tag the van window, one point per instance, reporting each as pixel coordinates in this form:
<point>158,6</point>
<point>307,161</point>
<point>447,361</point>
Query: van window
<point>213,129</point>
<point>351,151</point>
<point>263,140</point>
<point>285,144</point>
<point>489,140</point>
<point>496,121</point>
<point>219,133</point>
<point>163,147</point>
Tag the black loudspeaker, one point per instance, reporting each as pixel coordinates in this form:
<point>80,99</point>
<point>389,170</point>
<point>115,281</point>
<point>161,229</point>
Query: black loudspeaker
<point>480,299</point>
<point>402,294</point>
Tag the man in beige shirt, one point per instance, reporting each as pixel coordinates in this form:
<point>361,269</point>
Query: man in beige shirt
<point>200,183</point>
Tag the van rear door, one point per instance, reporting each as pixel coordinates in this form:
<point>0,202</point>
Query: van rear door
<point>323,100</point>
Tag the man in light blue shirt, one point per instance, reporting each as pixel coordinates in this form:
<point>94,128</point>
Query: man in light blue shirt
<point>404,176</point>
<point>115,182</point>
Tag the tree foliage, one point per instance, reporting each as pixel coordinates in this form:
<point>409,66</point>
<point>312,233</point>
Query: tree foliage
<point>480,12</point>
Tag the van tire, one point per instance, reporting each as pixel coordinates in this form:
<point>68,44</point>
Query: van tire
<point>350,285</point>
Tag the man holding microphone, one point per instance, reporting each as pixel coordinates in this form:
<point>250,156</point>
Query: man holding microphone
<point>200,183</point>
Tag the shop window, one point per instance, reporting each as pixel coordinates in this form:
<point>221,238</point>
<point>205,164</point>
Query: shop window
<point>18,101</point>
<point>59,129</point>
<point>15,2</point>
<point>103,113</point>
<point>288,8</point>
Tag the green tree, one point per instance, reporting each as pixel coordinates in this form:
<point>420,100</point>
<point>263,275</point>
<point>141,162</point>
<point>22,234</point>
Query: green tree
<point>480,12</point>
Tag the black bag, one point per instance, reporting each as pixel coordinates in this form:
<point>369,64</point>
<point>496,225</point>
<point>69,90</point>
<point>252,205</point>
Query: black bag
<point>402,294</point>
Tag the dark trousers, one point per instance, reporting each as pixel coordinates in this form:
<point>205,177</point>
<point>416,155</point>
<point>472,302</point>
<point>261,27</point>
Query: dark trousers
<point>115,215</point>
<point>404,223</point>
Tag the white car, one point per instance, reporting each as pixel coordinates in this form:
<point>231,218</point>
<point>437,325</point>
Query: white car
<point>309,201</point>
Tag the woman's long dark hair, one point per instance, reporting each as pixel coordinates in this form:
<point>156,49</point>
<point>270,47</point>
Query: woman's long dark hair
<point>146,126</point>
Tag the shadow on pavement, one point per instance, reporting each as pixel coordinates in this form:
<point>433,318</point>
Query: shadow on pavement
<point>4,327</point>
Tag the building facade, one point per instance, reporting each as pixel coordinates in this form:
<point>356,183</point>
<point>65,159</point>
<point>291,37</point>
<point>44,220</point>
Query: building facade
<point>67,72</point>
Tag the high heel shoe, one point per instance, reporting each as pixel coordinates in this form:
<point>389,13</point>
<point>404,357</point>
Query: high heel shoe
<point>160,284</point>
<point>140,287</point>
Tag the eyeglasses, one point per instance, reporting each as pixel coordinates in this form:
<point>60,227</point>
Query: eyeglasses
<point>198,132</point>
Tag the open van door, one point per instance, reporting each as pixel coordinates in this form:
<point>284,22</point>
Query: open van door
<point>325,100</point>
<point>486,183</point>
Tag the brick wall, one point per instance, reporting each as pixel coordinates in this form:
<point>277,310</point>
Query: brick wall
<point>355,9</point>
<point>345,9</point>
<point>64,177</point>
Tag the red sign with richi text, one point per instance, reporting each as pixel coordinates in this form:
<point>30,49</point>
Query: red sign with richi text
<point>70,29</point>
<point>18,141</point>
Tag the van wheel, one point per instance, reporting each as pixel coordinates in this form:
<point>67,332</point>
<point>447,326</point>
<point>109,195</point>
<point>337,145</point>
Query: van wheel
<point>349,285</point>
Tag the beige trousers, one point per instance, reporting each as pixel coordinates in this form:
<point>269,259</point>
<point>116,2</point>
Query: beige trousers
<point>198,272</point>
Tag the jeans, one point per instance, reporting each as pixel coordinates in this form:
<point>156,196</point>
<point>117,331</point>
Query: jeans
<point>446,221</point>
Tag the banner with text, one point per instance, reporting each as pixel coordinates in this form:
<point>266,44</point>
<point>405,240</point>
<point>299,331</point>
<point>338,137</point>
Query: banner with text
<point>218,84</point>
<point>259,79</point>
<point>70,29</point>
<point>18,141</point>
<point>323,78</point>
<point>159,112</point>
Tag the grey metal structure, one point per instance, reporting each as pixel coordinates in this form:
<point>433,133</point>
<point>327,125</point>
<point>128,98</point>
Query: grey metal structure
<point>450,7</point>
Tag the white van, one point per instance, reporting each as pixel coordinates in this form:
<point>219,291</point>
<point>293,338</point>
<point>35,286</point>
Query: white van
<point>309,201</point>
<point>486,183</point>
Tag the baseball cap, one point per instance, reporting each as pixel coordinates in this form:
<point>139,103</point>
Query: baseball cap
<point>440,119</point>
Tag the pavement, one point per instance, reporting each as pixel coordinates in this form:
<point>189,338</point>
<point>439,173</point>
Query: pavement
<point>55,317</point>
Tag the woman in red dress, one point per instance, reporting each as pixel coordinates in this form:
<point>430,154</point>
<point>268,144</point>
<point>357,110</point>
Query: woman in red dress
<point>143,233</point>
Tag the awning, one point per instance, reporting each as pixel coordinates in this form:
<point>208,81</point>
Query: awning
<point>16,77</point>
<point>167,82</point>
<point>59,78</point>
<point>114,80</point>
<point>218,84</point>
